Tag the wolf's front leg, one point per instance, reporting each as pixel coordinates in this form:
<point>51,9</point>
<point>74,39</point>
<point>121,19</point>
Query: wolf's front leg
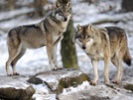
<point>106,70</point>
<point>55,51</point>
<point>50,52</point>
<point>55,56</point>
<point>95,67</point>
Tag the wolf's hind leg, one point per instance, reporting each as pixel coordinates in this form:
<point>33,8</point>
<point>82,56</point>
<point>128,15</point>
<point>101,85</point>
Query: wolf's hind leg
<point>106,70</point>
<point>12,54</point>
<point>13,64</point>
<point>115,61</point>
<point>118,61</point>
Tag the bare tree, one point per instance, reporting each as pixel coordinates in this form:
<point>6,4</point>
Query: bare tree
<point>38,4</point>
<point>11,4</point>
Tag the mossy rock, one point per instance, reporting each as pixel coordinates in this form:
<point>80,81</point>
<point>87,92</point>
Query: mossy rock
<point>71,81</point>
<point>129,87</point>
<point>15,88</point>
<point>11,93</point>
<point>57,80</point>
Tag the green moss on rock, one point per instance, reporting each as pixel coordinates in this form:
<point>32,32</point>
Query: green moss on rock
<point>17,94</point>
<point>71,81</point>
<point>129,87</point>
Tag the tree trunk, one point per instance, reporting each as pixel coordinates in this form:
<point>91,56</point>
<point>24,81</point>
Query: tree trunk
<point>68,51</point>
<point>11,4</point>
<point>127,5</point>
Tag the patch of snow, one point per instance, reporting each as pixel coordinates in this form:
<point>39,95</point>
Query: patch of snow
<point>24,2</point>
<point>85,85</point>
<point>43,93</point>
<point>41,89</point>
<point>44,97</point>
<point>17,84</point>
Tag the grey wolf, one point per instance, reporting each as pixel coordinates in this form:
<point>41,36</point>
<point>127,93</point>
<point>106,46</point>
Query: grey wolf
<point>46,33</point>
<point>108,44</point>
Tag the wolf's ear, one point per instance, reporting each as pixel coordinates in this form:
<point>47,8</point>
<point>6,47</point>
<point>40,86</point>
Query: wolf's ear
<point>91,28</point>
<point>79,27</point>
<point>58,4</point>
<point>68,4</point>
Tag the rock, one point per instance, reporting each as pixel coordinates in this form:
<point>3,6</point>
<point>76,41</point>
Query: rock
<point>15,88</point>
<point>128,84</point>
<point>129,87</point>
<point>57,80</point>
<point>99,92</point>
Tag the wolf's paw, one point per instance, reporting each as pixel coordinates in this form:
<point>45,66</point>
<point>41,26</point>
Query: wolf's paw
<point>117,82</point>
<point>59,68</point>
<point>107,82</point>
<point>16,74</point>
<point>55,69</point>
<point>9,75</point>
<point>94,83</point>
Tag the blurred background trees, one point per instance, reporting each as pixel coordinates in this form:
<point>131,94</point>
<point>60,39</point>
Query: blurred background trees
<point>38,5</point>
<point>127,5</point>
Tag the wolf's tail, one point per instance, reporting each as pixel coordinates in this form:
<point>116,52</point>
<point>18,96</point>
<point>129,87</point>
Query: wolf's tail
<point>127,57</point>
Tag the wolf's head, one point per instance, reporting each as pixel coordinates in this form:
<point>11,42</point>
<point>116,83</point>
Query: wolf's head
<point>86,36</point>
<point>63,11</point>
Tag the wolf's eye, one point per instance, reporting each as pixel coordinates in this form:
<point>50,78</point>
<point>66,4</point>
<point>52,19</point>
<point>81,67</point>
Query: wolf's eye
<point>80,38</point>
<point>60,14</point>
<point>88,38</point>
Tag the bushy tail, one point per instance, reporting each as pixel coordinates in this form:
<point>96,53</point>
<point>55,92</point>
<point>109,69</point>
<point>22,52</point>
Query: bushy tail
<point>127,58</point>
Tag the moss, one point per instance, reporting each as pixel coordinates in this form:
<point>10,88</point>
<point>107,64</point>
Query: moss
<point>68,50</point>
<point>71,81</point>
<point>129,87</point>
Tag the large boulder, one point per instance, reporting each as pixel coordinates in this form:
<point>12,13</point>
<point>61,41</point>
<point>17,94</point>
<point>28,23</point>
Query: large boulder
<point>15,88</point>
<point>57,80</point>
<point>98,92</point>
<point>128,84</point>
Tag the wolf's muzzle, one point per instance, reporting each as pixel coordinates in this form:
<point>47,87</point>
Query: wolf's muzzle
<point>83,47</point>
<point>65,19</point>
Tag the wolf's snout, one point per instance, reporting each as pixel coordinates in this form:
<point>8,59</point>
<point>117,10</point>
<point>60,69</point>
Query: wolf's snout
<point>83,47</point>
<point>65,19</point>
